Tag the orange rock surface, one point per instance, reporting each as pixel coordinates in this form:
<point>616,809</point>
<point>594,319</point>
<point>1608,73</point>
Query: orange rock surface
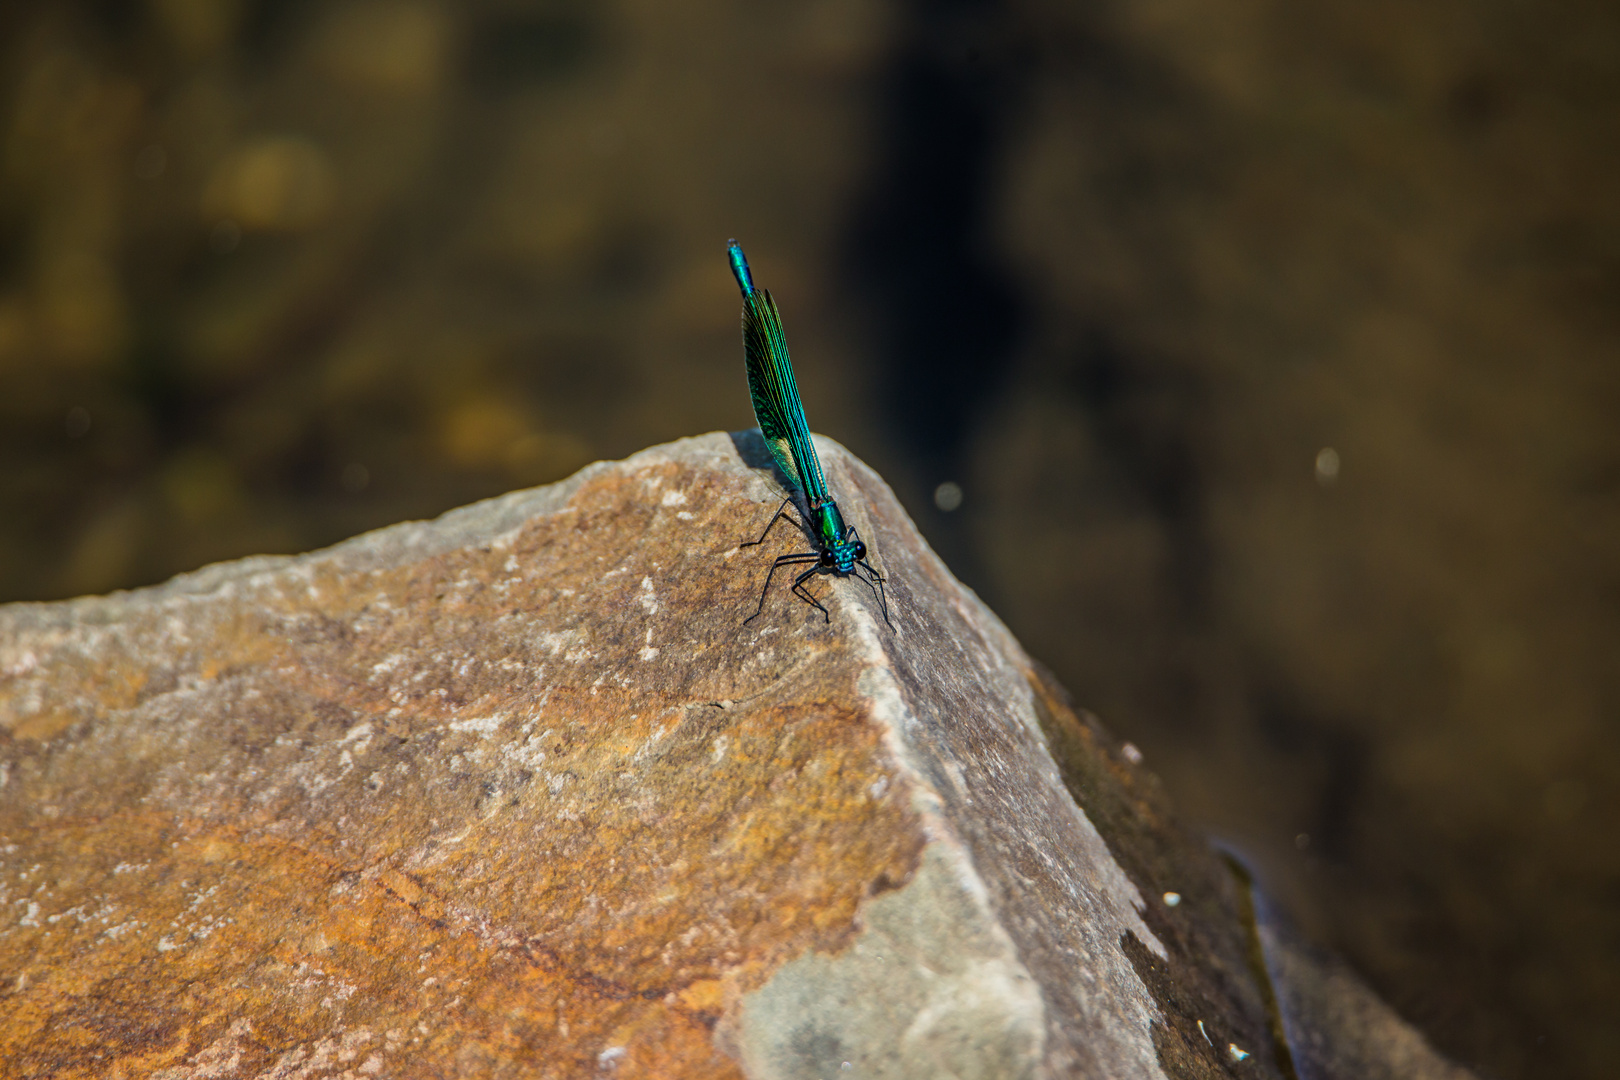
<point>517,793</point>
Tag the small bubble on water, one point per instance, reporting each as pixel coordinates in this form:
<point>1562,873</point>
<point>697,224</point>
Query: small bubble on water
<point>1327,466</point>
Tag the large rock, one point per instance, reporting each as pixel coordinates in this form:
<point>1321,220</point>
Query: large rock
<point>517,793</point>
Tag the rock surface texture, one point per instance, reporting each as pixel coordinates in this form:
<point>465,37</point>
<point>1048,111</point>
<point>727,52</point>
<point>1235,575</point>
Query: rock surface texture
<point>517,793</point>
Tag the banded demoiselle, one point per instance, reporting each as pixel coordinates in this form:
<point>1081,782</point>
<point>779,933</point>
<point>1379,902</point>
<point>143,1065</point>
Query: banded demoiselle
<point>839,548</point>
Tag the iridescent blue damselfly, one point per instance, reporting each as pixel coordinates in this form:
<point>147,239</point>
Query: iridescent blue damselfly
<point>839,548</point>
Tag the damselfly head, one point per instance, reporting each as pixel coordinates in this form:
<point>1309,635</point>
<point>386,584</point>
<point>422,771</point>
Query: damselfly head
<point>843,556</point>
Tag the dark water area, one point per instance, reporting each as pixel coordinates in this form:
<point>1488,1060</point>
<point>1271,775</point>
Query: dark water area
<point>1259,365</point>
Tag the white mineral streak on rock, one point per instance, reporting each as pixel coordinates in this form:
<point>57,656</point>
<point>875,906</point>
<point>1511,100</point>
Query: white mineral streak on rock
<point>569,644</point>
<point>482,725</point>
<point>220,1058</point>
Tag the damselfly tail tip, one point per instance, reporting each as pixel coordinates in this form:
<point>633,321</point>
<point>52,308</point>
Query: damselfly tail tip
<point>739,267</point>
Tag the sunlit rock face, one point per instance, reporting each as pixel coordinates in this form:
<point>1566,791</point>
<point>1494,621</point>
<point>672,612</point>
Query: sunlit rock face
<point>517,793</point>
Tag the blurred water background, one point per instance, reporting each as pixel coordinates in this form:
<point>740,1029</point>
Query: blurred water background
<point>1258,362</point>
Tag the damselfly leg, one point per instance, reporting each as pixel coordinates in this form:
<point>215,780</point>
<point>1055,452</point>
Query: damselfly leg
<point>787,560</point>
<point>781,512</point>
